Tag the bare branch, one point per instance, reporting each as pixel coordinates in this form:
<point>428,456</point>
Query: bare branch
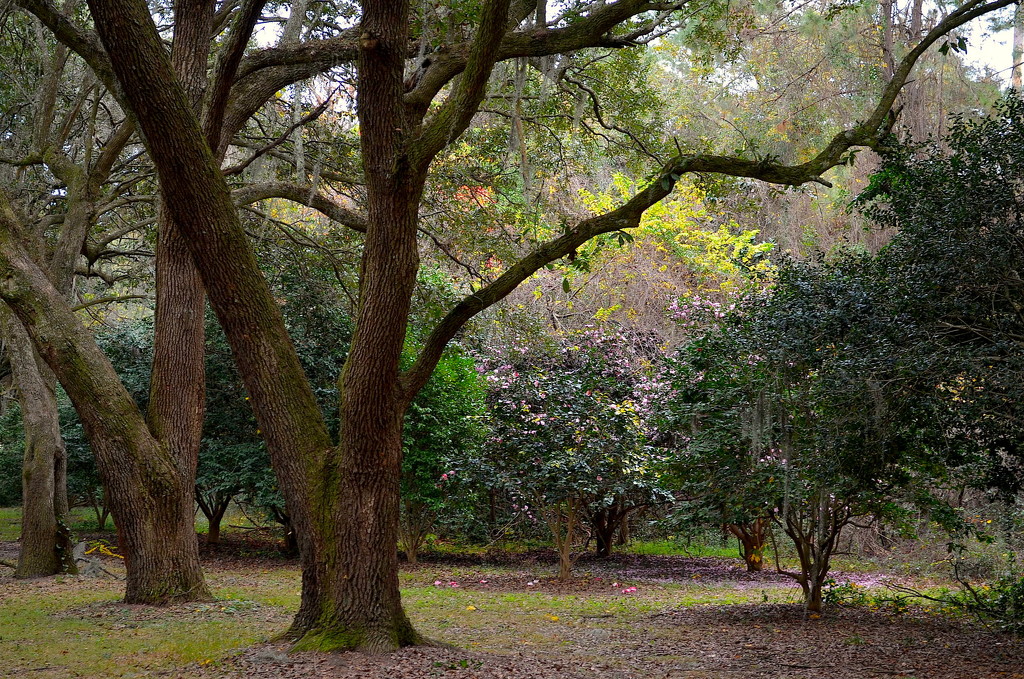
<point>108,300</point>
<point>304,195</point>
<point>308,118</point>
<point>85,44</point>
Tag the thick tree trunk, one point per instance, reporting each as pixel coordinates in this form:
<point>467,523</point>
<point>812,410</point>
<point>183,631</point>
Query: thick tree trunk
<point>350,595</point>
<point>177,380</point>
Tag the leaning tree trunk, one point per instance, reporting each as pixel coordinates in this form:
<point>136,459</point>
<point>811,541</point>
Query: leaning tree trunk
<point>135,468</point>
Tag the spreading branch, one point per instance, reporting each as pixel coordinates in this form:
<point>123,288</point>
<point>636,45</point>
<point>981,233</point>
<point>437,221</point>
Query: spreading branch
<point>866,134</point>
<point>303,195</point>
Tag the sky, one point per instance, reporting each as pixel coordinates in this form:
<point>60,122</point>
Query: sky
<point>992,50</point>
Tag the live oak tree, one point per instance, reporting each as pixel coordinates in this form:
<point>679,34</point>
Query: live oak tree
<point>94,180</point>
<point>62,135</point>
<point>342,494</point>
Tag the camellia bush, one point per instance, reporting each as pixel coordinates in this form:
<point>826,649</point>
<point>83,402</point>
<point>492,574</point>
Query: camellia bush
<point>569,436</point>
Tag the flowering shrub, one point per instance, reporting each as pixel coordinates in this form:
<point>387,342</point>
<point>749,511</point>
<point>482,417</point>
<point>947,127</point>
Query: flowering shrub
<point>570,434</point>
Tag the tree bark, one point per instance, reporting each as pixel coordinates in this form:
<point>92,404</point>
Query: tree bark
<point>136,470</point>
<point>1018,46</point>
<point>45,538</point>
<point>751,537</point>
<point>177,388</point>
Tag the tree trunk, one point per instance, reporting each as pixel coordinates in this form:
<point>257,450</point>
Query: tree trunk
<point>45,538</point>
<point>176,397</point>
<point>1018,46</point>
<point>604,532</point>
<point>213,532</point>
<point>135,468</point>
<point>751,537</point>
<point>812,595</point>
<point>350,595</point>
<point>415,522</point>
<point>214,512</point>
<point>606,523</point>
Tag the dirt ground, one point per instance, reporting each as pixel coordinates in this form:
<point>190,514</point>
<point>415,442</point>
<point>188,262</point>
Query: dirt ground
<point>764,640</point>
<point>733,641</point>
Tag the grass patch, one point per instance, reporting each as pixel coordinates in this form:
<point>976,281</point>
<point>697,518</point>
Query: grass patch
<point>63,627</point>
<point>83,519</point>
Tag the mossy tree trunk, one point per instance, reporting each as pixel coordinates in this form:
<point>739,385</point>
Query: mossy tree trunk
<point>45,538</point>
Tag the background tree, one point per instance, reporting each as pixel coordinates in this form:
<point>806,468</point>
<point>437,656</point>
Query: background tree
<point>444,426</point>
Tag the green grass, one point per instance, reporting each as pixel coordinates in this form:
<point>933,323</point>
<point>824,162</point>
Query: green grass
<point>83,519</point>
<point>679,547</point>
<point>60,627</point>
<point>67,627</point>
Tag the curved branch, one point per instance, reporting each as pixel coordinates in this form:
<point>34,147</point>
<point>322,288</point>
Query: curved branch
<point>303,195</point>
<point>457,112</point>
<point>594,31</point>
<point>628,215</point>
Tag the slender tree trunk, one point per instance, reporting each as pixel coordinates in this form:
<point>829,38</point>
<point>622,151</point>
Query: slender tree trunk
<point>752,543</point>
<point>177,393</point>
<point>1018,46</point>
<point>177,380</point>
<point>606,523</point>
<point>215,519</point>
<point>45,538</point>
<point>214,512</point>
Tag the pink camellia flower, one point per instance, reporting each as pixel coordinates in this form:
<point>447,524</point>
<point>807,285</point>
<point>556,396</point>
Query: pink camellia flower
<point>629,590</point>
<point>453,584</point>
<point>437,583</point>
<point>599,478</point>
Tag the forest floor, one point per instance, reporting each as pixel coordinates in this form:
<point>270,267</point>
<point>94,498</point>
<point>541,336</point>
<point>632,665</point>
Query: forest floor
<point>503,618</point>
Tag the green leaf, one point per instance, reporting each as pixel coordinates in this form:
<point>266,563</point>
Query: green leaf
<point>565,285</point>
